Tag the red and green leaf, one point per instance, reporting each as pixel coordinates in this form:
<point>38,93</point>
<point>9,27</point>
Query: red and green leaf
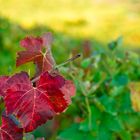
<point>34,52</point>
<point>33,102</point>
<point>33,106</point>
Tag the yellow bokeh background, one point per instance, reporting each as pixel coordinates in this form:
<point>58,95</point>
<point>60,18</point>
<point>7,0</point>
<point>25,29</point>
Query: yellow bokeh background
<point>102,20</point>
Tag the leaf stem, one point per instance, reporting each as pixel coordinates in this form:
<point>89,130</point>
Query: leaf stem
<point>98,104</point>
<point>57,66</point>
<point>89,112</point>
<point>35,79</point>
<point>67,61</point>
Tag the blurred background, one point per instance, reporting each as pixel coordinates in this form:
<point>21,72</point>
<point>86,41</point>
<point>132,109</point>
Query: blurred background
<point>79,26</point>
<point>102,20</point>
<point>97,20</point>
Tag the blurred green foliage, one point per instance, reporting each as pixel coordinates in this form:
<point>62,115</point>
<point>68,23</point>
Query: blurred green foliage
<point>102,108</point>
<point>103,100</point>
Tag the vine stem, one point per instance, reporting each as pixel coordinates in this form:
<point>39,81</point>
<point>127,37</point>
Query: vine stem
<point>67,61</point>
<point>89,112</point>
<point>35,79</point>
<point>60,65</point>
<point>98,104</point>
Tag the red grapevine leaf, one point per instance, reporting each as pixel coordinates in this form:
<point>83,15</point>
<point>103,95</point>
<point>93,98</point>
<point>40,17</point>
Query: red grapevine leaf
<point>48,60</point>
<point>32,44</point>
<point>35,52</point>
<point>70,85</point>
<point>27,56</point>
<point>69,90</point>
<point>3,80</point>
<point>33,106</point>
<point>9,130</point>
<point>47,39</point>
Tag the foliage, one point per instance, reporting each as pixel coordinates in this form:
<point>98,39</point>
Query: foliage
<point>104,79</point>
<point>32,102</point>
<point>103,100</point>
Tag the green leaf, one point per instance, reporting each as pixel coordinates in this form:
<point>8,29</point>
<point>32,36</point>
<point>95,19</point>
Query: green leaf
<point>131,120</point>
<point>125,135</point>
<point>97,76</point>
<point>85,63</point>
<point>112,45</point>
<point>73,133</point>
<point>104,134</point>
<point>120,80</point>
<point>112,123</point>
<point>124,102</point>
<point>109,104</point>
<point>95,121</point>
<point>70,133</point>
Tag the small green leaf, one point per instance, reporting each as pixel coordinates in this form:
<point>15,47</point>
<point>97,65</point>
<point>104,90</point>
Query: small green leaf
<point>97,76</point>
<point>112,123</point>
<point>67,133</point>
<point>120,80</point>
<point>95,121</point>
<point>109,104</point>
<point>125,135</point>
<point>73,133</point>
<point>114,44</point>
<point>131,120</point>
<point>85,63</point>
<point>124,102</point>
<point>104,134</point>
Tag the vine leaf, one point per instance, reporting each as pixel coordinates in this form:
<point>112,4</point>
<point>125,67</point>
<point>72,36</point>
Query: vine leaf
<point>37,50</point>
<point>9,130</point>
<point>3,80</point>
<point>34,105</point>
